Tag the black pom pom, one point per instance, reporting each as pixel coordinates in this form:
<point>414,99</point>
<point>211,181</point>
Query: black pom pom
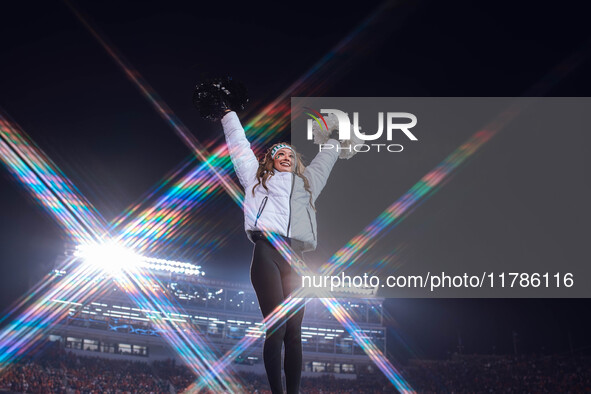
<point>214,97</point>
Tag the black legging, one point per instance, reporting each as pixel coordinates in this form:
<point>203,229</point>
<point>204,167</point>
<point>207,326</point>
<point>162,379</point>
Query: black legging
<point>273,280</point>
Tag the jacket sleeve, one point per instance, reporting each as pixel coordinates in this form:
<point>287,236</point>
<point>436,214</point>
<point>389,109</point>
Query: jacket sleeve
<point>319,169</point>
<point>243,158</point>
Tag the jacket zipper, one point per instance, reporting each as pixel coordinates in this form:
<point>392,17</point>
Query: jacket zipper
<point>289,213</point>
<point>261,209</point>
<point>311,225</point>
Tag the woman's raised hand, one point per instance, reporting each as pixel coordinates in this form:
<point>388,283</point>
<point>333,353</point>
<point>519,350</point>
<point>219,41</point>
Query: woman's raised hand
<point>217,96</point>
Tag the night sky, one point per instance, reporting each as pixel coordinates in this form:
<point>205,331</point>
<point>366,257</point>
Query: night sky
<point>79,107</point>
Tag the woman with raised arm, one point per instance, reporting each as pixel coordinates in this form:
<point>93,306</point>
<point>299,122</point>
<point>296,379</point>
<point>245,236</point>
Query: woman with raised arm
<point>280,195</point>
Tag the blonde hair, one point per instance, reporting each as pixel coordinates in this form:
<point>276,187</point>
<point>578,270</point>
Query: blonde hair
<point>267,169</point>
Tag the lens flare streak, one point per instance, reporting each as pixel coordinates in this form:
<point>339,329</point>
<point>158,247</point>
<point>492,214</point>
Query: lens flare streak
<point>148,293</point>
<point>156,228</point>
<point>293,304</point>
<point>64,203</point>
<point>22,334</point>
<point>233,190</point>
<point>50,188</point>
<point>417,194</point>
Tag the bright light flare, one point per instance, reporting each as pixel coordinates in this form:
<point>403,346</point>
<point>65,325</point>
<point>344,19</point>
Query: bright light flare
<point>109,256</point>
<point>113,258</point>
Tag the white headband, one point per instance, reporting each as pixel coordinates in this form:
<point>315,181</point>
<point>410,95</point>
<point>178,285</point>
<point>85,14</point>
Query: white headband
<point>280,146</point>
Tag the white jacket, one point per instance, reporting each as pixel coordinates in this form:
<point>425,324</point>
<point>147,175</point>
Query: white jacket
<point>285,208</point>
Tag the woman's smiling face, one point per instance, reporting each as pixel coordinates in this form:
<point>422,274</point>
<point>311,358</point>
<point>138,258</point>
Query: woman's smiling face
<point>284,160</point>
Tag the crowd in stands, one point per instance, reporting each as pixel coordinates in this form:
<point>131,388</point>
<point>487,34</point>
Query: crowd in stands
<point>505,374</point>
<point>59,371</point>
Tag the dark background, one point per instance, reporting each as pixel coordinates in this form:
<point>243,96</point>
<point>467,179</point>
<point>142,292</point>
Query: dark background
<point>74,101</point>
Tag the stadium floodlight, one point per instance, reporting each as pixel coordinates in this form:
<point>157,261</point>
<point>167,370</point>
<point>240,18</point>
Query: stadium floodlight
<point>108,256</point>
<point>112,257</point>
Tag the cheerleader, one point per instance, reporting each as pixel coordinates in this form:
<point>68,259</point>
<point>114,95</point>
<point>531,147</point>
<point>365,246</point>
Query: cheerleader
<point>279,197</point>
